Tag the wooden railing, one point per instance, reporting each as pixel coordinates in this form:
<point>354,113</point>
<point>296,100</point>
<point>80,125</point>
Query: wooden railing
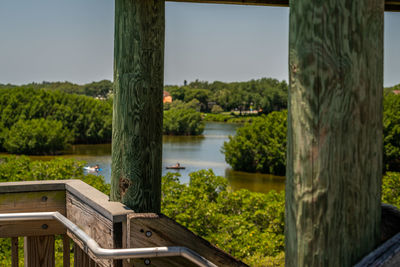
<point>82,204</point>
<point>110,224</point>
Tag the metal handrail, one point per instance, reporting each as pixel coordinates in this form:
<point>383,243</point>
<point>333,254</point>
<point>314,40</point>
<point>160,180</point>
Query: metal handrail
<point>124,253</point>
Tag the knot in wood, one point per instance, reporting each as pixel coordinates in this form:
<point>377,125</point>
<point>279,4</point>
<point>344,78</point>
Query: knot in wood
<point>124,184</point>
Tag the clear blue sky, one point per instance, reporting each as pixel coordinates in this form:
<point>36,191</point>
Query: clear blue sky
<point>58,40</point>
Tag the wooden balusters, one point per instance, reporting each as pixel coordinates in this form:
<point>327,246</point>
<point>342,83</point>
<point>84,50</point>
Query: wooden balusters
<point>14,252</point>
<point>66,251</point>
<point>39,251</point>
<point>81,259</point>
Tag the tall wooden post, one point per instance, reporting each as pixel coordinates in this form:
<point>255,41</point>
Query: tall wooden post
<point>334,164</point>
<point>138,92</point>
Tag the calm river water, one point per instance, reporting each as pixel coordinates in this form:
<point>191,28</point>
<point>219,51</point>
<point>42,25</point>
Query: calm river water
<point>193,152</point>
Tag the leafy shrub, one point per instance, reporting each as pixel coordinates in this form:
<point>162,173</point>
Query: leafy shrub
<point>37,136</point>
<point>179,121</point>
<point>248,225</point>
<point>259,146</point>
<point>391,132</point>
<point>89,119</point>
<point>391,188</point>
<point>216,109</point>
<point>21,168</point>
<point>230,118</point>
<point>217,117</point>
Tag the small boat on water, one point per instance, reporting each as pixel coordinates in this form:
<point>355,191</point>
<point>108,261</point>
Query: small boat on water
<point>92,168</point>
<point>176,167</point>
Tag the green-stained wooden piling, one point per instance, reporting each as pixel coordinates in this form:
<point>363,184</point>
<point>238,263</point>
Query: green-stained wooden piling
<point>334,164</point>
<point>138,107</point>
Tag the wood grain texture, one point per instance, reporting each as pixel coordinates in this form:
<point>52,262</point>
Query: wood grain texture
<point>14,252</point>
<point>92,223</point>
<point>138,107</point>
<point>39,251</point>
<point>31,228</point>
<point>90,196</point>
<point>390,5</point>
<point>33,202</point>
<point>334,163</point>
<point>166,232</point>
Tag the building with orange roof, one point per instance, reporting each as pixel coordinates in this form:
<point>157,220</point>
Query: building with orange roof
<point>167,97</point>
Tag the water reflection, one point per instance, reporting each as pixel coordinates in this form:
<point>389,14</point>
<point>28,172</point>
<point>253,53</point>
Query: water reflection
<point>256,182</point>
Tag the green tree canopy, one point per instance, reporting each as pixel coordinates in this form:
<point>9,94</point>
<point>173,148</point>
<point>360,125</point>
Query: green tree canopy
<point>88,118</point>
<point>391,132</point>
<point>179,121</point>
<point>37,136</point>
<point>266,94</point>
<point>259,146</point>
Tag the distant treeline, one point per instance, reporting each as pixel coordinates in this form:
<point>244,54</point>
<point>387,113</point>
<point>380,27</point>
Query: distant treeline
<point>101,89</point>
<point>265,94</point>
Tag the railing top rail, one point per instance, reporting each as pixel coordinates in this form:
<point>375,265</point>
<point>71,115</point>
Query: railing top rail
<point>114,211</point>
<point>33,186</point>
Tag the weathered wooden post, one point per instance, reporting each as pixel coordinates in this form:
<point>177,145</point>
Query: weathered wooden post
<point>137,113</point>
<point>334,164</point>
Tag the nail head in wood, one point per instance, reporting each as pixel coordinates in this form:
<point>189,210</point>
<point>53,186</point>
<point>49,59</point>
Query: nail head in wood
<point>148,233</point>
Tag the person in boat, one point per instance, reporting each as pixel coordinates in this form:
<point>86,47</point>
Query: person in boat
<point>95,168</point>
<point>177,165</point>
